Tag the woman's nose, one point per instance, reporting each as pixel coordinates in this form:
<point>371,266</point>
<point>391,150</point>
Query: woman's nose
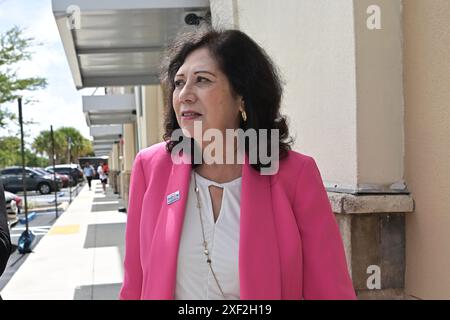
<point>187,94</point>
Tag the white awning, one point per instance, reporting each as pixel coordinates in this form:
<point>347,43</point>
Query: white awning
<point>107,132</point>
<point>107,146</point>
<point>105,137</point>
<point>102,148</point>
<point>109,109</point>
<point>119,43</point>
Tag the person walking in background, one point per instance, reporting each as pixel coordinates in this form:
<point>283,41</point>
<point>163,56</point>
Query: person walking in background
<point>89,173</point>
<point>102,176</point>
<point>5,240</point>
<point>105,168</point>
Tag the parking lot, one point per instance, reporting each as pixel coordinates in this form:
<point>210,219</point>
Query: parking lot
<point>35,199</point>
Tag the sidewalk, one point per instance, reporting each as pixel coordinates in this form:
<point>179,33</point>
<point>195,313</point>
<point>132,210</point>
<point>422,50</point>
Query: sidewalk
<point>81,256</point>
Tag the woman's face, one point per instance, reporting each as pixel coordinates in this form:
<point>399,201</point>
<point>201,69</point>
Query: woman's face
<point>204,90</point>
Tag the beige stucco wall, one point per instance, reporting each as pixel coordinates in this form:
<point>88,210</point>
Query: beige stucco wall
<point>225,13</point>
<point>427,143</point>
<point>379,85</point>
<point>114,158</point>
<point>129,146</point>
<point>150,122</point>
<point>312,42</point>
<point>343,83</point>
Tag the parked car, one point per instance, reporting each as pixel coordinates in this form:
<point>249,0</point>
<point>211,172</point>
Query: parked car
<point>72,170</point>
<point>13,207</point>
<point>13,181</point>
<point>63,177</point>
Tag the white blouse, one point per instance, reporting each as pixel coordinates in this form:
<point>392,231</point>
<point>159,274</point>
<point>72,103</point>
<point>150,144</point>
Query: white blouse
<point>194,278</point>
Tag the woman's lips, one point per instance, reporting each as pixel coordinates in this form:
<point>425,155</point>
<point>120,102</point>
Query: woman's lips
<point>190,115</point>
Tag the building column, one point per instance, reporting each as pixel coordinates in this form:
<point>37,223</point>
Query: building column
<point>150,115</point>
<point>129,153</point>
<point>224,14</point>
<point>114,168</point>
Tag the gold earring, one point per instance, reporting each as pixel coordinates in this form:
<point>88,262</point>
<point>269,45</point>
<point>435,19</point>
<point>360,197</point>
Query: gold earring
<point>244,115</point>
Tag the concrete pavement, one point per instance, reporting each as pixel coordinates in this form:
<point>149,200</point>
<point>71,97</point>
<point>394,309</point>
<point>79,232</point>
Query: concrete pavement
<point>81,256</point>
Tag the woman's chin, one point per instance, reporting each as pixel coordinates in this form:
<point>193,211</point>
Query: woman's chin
<point>188,131</point>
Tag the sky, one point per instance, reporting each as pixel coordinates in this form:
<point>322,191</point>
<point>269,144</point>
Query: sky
<point>60,103</point>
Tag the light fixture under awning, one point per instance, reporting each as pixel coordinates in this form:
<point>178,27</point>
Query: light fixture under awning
<point>120,43</point>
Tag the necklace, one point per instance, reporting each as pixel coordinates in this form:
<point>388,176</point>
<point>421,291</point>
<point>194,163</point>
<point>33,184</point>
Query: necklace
<point>205,244</point>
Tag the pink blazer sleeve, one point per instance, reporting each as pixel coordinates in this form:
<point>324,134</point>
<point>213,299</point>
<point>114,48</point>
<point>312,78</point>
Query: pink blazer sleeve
<point>325,273</point>
<point>132,282</point>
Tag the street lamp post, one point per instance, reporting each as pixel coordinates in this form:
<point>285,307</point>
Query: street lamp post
<point>27,237</point>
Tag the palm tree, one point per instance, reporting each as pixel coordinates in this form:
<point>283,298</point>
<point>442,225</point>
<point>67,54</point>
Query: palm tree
<point>80,146</point>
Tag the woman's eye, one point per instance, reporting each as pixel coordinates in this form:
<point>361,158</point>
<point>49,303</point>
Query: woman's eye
<point>178,83</point>
<point>203,79</point>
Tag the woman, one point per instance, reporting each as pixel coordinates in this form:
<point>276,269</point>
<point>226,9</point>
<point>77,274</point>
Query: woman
<point>226,231</point>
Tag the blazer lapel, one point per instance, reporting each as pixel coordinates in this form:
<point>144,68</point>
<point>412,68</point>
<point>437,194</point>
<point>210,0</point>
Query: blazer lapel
<point>164,252</point>
<point>259,264</point>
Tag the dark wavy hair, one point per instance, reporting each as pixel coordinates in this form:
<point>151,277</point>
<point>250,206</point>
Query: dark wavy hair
<point>251,74</point>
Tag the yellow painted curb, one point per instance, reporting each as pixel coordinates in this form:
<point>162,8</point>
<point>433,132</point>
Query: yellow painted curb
<point>68,229</point>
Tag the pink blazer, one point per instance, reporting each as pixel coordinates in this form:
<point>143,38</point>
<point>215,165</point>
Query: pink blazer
<point>290,246</point>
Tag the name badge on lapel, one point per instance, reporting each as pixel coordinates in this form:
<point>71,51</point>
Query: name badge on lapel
<point>171,198</point>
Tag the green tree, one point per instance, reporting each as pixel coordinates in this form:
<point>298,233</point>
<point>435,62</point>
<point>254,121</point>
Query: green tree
<point>33,160</point>
<point>10,154</point>
<point>9,151</point>
<point>80,146</point>
<point>15,48</point>
<point>42,144</point>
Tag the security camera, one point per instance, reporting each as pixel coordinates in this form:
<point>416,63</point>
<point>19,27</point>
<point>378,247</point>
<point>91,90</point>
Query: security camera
<point>192,19</point>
